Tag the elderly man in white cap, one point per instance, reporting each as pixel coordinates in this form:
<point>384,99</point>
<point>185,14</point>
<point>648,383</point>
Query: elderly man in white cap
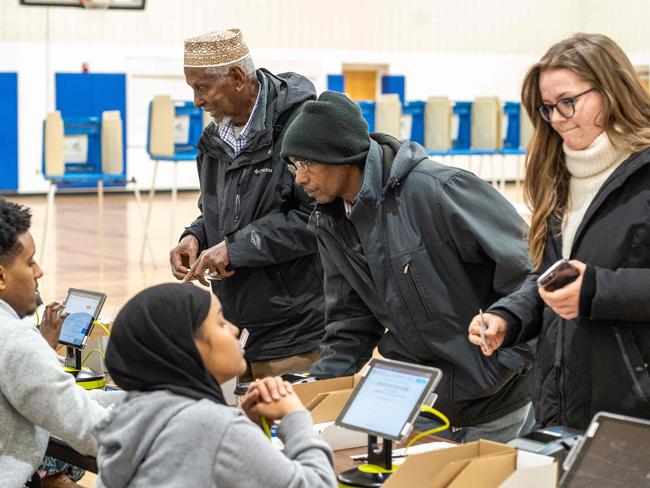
<point>251,239</point>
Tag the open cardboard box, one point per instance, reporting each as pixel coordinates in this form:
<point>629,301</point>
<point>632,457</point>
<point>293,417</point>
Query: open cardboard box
<point>325,400</point>
<point>482,463</point>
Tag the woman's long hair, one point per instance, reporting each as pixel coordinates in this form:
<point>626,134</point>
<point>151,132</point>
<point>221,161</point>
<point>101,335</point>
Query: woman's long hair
<point>599,61</point>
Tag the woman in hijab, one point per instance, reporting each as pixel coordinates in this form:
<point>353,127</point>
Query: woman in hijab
<point>170,349</point>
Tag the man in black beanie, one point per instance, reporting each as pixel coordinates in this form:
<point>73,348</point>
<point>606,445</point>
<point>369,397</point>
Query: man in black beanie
<point>412,249</point>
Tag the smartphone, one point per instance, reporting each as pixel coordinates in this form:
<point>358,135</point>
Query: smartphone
<point>559,275</point>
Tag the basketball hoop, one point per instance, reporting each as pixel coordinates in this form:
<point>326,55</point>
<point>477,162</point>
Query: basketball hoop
<point>95,4</point>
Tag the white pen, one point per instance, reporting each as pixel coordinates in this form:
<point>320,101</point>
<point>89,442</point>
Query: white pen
<point>483,328</point>
<point>243,338</point>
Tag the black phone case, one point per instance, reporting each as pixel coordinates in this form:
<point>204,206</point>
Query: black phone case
<point>560,277</point>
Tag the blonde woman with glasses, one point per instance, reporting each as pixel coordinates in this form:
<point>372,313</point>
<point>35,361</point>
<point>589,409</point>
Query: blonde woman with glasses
<point>588,184</point>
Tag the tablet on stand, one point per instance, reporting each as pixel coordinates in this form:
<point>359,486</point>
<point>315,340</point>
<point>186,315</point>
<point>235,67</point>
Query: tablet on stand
<point>385,404</point>
<point>84,307</point>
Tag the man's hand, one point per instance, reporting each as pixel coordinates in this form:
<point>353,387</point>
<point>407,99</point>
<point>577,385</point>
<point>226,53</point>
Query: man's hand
<point>183,256</point>
<point>494,334</point>
<point>214,260</point>
<point>272,398</point>
<point>565,301</point>
<point>52,322</point>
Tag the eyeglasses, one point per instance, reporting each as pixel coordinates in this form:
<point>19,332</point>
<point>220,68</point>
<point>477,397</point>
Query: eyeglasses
<point>298,164</point>
<point>565,107</point>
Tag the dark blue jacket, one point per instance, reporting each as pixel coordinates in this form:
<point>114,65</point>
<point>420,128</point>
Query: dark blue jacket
<point>421,252</point>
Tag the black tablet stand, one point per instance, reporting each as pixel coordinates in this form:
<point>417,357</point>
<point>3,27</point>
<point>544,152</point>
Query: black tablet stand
<point>376,472</point>
<point>73,358</point>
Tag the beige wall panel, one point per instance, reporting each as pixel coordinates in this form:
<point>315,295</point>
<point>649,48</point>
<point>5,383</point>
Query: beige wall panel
<point>437,124</point>
<point>388,115</point>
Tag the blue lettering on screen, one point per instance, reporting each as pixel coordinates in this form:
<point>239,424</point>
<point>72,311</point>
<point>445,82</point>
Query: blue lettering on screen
<point>75,326</point>
<point>386,399</point>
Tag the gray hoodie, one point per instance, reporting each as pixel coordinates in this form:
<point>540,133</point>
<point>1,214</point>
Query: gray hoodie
<point>163,439</point>
<point>38,399</point>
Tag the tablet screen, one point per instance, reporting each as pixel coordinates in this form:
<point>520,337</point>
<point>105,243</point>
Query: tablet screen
<point>388,397</point>
<point>618,454</point>
<point>83,307</point>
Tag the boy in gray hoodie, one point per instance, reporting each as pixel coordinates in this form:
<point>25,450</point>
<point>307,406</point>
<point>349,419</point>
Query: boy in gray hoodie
<point>37,397</point>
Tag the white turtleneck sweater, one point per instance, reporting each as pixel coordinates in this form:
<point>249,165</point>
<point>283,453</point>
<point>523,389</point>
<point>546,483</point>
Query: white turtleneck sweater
<point>589,169</point>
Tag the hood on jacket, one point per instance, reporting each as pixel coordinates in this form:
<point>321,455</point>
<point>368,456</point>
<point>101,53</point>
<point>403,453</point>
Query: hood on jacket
<point>407,157</point>
<point>127,433</point>
<point>283,91</point>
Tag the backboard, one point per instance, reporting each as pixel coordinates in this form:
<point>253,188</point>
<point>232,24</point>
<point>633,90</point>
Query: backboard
<point>111,4</point>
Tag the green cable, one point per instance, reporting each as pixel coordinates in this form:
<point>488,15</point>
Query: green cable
<point>265,426</point>
<point>437,413</point>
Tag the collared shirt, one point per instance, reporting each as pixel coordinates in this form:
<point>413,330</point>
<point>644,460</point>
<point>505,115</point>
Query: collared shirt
<point>235,137</point>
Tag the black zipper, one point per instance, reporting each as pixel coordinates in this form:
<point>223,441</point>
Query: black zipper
<point>237,202</point>
<point>423,309</point>
<point>558,370</point>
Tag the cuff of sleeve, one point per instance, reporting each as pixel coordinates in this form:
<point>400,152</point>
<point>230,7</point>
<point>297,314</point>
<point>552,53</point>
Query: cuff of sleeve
<point>199,237</point>
<point>514,325</point>
<point>587,291</point>
<point>297,422</point>
<point>232,246</point>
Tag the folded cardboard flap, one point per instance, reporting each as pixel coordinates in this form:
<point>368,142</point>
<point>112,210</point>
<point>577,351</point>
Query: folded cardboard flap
<point>307,391</point>
<point>326,406</point>
<point>533,471</point>
<point>447,467</point>
<point>490,470</point>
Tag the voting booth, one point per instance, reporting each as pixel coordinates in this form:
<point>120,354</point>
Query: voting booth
<point>174,129</point>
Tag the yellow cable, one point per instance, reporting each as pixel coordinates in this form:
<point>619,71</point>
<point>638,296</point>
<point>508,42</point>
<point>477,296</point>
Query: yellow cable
<point>106,329</point>
<point>83,361</point>
<point>438,414</point>
<point>265,427</point>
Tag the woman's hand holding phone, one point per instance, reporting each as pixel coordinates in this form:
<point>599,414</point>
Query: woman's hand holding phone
<point>565,301</point>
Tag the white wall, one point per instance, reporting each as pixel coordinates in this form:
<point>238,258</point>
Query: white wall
<point>461,48</point>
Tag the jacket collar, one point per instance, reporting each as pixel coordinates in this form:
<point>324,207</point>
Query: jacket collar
<point>280,93</point>
<point>373,190</point>
<point>617,179</point>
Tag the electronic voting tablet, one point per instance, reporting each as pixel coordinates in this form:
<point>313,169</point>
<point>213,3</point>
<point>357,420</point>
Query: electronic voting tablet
<point>84,307</point>
<point>615,451</point>
<point>388,399</point>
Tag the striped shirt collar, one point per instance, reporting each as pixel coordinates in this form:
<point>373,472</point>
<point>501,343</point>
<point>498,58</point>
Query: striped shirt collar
<point>227,131</point>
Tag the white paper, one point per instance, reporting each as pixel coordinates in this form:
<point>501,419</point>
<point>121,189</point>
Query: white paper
<point>181,129</point>
<point>75,148</point>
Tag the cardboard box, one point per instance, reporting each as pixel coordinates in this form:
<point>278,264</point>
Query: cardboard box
<point>325,400</point>
<point>483,463</point>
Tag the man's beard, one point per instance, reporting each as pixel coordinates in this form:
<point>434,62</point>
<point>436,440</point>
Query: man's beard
<point>222,121</point>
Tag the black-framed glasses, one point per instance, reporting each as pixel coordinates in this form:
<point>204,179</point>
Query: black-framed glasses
<point>566,107</point>
<point>298,164</point>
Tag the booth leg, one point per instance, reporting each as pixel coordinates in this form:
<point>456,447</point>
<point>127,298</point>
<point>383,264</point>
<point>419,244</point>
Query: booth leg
<point>152,192</point>
<point>138,201</point>
<point>48,211</point>
<point>174,198</point>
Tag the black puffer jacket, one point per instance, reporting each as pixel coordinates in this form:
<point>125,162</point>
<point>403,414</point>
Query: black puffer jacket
<point>598,361</point>
<point>419,256</point>
<point>253,202</point>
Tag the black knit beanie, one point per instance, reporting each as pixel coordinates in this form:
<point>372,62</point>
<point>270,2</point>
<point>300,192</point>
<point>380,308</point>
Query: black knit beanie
<point>329,130</point>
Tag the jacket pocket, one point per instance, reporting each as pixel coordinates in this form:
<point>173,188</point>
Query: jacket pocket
<point>418,284</point>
